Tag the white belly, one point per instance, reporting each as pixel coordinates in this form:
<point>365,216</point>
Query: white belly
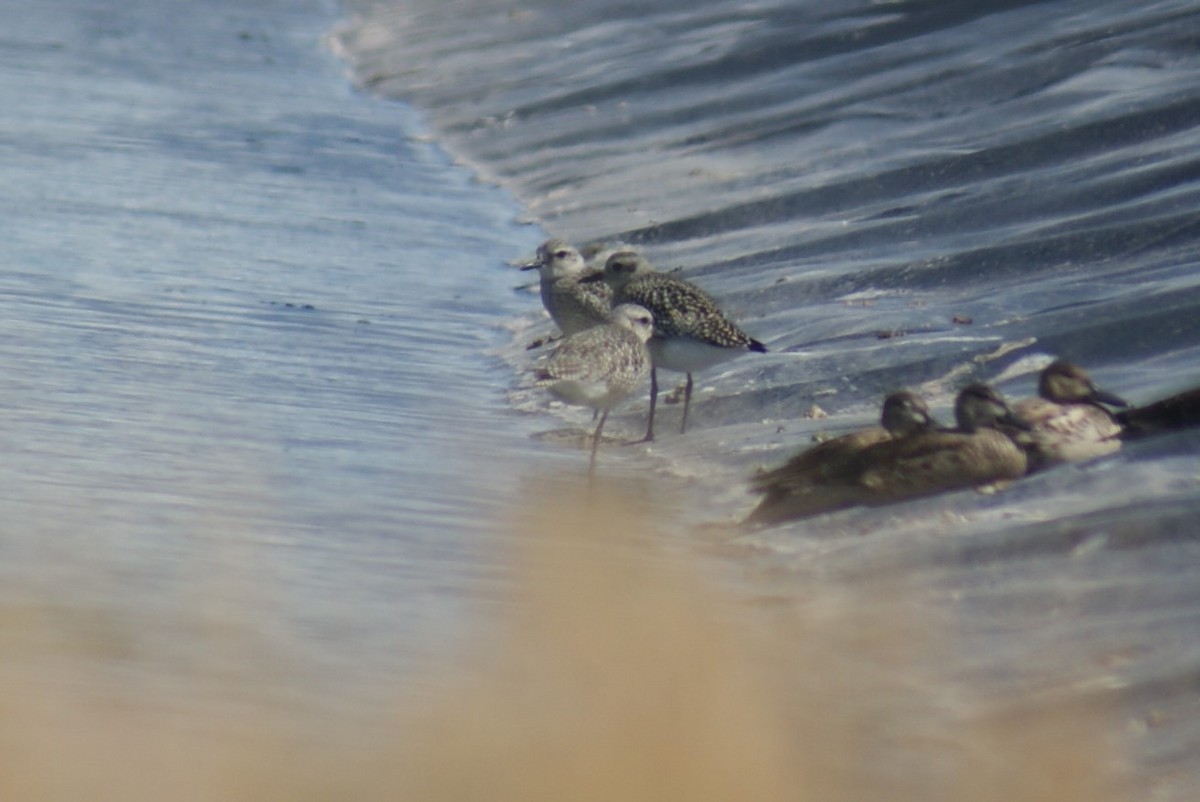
<point>595,394</point>
<point>686,355</point>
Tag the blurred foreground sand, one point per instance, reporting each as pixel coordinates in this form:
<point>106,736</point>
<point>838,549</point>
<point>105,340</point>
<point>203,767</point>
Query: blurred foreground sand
<point>619,668</point>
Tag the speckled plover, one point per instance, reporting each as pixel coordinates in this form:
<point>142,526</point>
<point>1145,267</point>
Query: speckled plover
<point>572,305</point>
<point>599,367</point>
<point>691,333</point>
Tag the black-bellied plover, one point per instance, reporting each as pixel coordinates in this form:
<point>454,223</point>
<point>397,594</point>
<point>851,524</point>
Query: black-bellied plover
<point>599,367</point>
<point>690,331</point>
<point>976,453</point>
<point>793,488</point>
<point>572,305</point>
<point>1067,419</point>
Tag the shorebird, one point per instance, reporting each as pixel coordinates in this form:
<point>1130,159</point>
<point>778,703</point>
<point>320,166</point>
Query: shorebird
<point>973,454</point>
<point>1066,419</point>
<point>795,487</point>
<point>690,331</point>
<point>599,367</point>
<point>572,305</point>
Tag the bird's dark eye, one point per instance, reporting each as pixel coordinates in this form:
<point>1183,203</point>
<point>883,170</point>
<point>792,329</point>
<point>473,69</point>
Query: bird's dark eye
<point>561,254</point>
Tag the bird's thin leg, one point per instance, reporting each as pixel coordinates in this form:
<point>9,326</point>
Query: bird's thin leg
<point>596,442</point>
<point>653,401</point>
<point>687,400</point>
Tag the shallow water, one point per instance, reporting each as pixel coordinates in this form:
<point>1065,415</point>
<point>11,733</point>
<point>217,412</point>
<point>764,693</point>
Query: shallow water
<point>246,321</point>
<point>849,180</point>
<point>263,355</point>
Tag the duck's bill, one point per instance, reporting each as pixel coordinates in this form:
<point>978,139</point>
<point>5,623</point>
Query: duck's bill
<point>1104,397</point>
<point>1017,423</point>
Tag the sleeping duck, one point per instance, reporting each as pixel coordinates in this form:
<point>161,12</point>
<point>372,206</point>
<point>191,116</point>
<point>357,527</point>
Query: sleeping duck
<point>919,460</point>
<point>1068,419</point>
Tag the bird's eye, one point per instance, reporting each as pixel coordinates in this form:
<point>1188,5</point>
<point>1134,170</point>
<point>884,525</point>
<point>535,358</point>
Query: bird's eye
<point>561,254</point>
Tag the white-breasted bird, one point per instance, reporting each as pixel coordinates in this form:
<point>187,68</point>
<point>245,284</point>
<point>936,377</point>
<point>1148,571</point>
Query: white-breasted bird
<point>599,367</point>
<point>574,306</point>
<point>691,333</point>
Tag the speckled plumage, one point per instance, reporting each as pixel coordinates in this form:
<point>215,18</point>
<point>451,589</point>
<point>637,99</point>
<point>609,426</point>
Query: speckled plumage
<point>691,333</point>
<point>680,308</point>
<point>599,367</point>
<point>1067,420</point>
<point>572,304</point>
<point>919,464</point>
